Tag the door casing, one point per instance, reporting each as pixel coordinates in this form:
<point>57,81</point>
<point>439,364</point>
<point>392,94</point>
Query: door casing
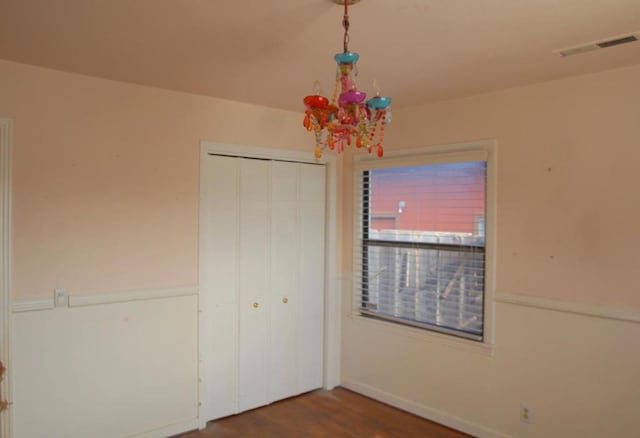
<point>6,144</point>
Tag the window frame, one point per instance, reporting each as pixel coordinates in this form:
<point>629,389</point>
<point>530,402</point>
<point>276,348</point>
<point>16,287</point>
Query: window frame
<point>484,150</point>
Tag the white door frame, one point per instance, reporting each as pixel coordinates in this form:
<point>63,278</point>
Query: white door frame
<point>333,285</point>
<point>6,126</point>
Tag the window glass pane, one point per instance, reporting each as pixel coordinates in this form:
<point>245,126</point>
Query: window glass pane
<point>423,246</point>
<point>437,287</point>
<point>447,198</point>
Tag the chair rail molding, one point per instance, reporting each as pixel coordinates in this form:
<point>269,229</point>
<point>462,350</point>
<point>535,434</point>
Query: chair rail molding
<point>605,312</point>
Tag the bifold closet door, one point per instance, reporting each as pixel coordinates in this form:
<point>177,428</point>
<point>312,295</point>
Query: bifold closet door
<point>285,257</point>
<point>253,278</point>
<point>262,282</point>
<point>311,229</point>
<point>297,279</point>
<point>218,277</point>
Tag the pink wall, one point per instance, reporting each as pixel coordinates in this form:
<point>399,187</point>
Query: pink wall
<point>105,182</point>
<point>568,206</point>
<point>105,193</point>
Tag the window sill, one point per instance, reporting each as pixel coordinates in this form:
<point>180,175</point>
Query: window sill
<point>476,347</point>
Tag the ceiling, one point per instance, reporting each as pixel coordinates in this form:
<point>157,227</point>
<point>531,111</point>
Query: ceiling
<point>269,52</point>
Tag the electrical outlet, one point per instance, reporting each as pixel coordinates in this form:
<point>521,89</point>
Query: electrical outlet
<point>526,413</point>
<point>60,298</point>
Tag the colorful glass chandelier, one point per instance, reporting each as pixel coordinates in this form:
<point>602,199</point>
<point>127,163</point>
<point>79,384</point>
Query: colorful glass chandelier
<point>347,119</point>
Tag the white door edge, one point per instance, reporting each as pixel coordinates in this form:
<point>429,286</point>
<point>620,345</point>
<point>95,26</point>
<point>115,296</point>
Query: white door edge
<point>6,126</point>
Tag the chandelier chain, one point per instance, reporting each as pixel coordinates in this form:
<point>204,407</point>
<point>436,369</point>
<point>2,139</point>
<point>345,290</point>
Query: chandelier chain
<point>345,25</point>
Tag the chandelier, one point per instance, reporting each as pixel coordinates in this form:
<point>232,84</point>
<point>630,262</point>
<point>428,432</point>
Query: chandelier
<point>348,119</point>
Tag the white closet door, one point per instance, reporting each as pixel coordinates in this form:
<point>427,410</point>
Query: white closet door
<point>285,253</point>
<point>218,286</point>
<point>311,271</point>
<point>261,279</point>
<point>254,302</point>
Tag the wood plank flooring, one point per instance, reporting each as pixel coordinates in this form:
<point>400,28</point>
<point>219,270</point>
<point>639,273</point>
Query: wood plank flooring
<point>337,413</point>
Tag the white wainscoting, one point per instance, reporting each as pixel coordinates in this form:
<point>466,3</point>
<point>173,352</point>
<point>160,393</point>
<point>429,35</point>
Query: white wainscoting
<point>118,365</point>
<point>576,367</point>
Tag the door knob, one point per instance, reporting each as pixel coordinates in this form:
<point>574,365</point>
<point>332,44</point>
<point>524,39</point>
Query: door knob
<point>285,300</point>
<point>256,305</point>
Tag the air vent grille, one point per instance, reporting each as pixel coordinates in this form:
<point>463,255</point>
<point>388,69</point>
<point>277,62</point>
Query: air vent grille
<point>602,44</point>
<point>618,41</point>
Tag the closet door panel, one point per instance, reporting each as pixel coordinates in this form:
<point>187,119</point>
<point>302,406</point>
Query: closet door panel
<point>285,250</point>
<point>253,283</point>
<point>218,285</point>
<point>221,190</point>
<point>224,366</point>
<point>311,269</point>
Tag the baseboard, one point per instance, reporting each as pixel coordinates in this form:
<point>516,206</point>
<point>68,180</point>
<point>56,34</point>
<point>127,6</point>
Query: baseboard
<point>427,412</point>
<point>618,314</point>
<point>169,430</point>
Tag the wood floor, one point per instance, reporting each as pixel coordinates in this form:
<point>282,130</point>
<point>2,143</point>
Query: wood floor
<point>337,413</point>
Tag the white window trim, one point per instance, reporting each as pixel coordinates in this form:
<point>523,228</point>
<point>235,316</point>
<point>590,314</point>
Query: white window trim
<point>482,149</point>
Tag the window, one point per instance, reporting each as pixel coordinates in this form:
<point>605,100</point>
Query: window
<point>421,244</point>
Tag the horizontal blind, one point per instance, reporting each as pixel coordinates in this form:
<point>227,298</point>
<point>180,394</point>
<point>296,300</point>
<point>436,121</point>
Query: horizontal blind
<point>367,162</point>
<point>420,243</point>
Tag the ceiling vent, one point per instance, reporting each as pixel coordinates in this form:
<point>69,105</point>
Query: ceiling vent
<point>603,44</point>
